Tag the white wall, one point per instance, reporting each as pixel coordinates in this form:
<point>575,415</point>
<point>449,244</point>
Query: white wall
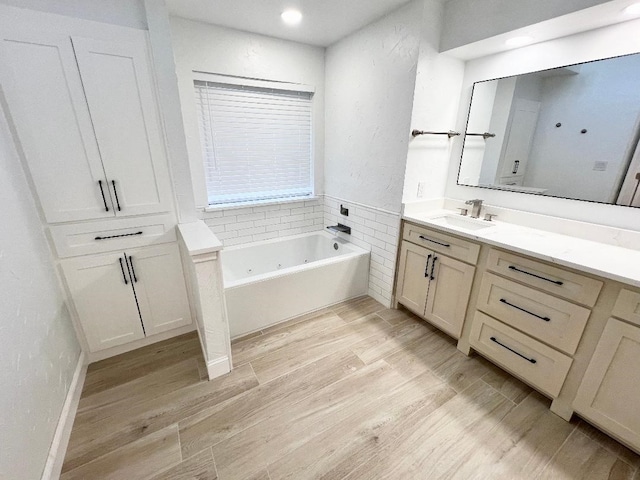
<point>435,108</point>
<point>369,95</point>
<point>470,21</point>
<point>208,48</point>
<point>604,99</point>
<point>601,43</point>
<point>38,346</point>
<point>127,13</point>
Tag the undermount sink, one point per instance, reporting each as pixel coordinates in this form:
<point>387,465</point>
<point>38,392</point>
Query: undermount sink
<point>461,222</point>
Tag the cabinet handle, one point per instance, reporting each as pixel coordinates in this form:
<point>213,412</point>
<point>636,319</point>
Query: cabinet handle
<point>124,276</point>
<point>104,200</point>
<point>115,191</point>
<point>433,241</point>
<point>532,360</point>
<point>133,271</point>
<point>557,282</point>
<point>546,319</point>
<point>118,236</point>
<point>433,265</point>
<point>426,267</point>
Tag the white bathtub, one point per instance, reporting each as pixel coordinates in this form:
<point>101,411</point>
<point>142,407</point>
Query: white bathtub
<point>272,281</point>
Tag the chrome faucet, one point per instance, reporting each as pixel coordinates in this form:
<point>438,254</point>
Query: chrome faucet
<point>476,206</point>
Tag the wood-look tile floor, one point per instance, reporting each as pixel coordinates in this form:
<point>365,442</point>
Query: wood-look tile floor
<point>355,391</point>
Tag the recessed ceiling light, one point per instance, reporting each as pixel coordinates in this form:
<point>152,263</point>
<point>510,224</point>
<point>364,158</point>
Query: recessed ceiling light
<point>519,41</point>
<point>291,17</point>
<point>633,9</point>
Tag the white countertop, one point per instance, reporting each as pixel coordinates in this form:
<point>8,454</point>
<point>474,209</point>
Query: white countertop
<point>198,238</point>
<point>608,261</point>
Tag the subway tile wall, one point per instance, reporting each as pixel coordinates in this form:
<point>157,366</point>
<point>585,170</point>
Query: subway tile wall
<point>234,226</point>
<point>375,230</point>
<point>371,228</point>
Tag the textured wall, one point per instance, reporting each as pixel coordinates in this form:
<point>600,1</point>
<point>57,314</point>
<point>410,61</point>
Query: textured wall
<point>38,347</point>
<point>469,21</point>
<point>369,96</point>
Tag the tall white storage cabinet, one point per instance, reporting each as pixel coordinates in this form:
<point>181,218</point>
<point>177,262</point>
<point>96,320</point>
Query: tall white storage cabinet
<point>86,116</point>
<point>82,102</point>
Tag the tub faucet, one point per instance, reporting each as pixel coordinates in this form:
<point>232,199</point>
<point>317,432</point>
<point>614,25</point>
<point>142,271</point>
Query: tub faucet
<point>340,228</point>
<point>476,206</point>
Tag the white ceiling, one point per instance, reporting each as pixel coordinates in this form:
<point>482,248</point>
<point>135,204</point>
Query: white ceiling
<point>324,21</point>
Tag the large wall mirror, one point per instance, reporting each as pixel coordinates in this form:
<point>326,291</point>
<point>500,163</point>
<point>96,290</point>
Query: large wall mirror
<point>570,132</point>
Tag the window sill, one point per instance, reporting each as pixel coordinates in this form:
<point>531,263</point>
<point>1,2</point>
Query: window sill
<point>259,203</point>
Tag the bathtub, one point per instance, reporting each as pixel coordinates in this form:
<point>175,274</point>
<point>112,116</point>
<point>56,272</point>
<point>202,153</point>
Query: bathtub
<point>272,281</point>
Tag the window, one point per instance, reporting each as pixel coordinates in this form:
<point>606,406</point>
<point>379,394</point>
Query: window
<point>256,139</point>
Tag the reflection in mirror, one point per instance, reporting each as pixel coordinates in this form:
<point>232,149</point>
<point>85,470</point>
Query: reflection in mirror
<point>569,132</point>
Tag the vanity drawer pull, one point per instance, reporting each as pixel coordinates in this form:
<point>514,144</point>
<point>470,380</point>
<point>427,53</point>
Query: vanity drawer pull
<point>546,319</point>
<point>118,236</point>
<point>557,282</point>
<point>434,241</point>
<point>531,360</point>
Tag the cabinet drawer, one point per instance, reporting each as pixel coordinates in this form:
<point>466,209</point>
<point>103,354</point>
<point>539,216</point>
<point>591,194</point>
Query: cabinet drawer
<point>545,277</point>
<point>442,243</point>
<point>628,306</point>
<point>80,239</point>
<point>535,363</point>
<point>554,321</point>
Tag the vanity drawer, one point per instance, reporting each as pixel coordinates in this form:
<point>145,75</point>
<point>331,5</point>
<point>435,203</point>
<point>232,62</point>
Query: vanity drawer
<point>442,243</point>
<point>99,237</point>
<point>627,306</point>
<point>535,363</point>
<point>554,321</point>
<point>558,281</point>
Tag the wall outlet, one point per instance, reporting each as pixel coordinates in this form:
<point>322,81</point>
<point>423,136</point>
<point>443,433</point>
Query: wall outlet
<point>600,166</point>
<point>420,190</point>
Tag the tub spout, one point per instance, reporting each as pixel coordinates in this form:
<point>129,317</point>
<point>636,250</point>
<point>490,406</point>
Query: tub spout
<point>340,228</point>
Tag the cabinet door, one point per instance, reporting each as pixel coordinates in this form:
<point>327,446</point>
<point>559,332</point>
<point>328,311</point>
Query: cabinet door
<point>116,76</point>
<point>160,288</point>
<point>44,93</point>
<point>413,277</point>
<point>449,292</point>
<point>610,388</point>
<point>104,300</point>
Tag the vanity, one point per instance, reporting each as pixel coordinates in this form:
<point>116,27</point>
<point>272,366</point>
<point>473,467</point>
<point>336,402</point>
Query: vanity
<point>538,304</point>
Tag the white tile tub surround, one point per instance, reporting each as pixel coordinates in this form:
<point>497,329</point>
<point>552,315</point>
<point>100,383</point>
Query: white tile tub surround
<point>373,229</point>
<point>239,225</point>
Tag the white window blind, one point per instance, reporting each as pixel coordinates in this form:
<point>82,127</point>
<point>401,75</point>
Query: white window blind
<point>256,142</point>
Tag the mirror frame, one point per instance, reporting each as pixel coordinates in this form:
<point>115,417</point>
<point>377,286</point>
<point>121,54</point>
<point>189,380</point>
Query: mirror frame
<point>464,134</point>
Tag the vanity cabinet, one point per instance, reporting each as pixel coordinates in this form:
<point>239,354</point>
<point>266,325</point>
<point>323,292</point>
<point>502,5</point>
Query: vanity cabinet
<point>125,296</point>
<point>433,285</point>
<point>87,123</point>
<point>609,392</point>
<point>527,320</point>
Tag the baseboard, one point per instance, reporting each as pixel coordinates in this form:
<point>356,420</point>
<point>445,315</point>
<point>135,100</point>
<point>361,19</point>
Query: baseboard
<point>218,367</point>
<point>53,467</point>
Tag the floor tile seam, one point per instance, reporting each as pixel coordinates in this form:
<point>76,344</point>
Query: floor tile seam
<point>555,454</point>
<point>600,444</point>
<point>81,411</point>
<point>125,445</point>
<point>220,405</point>
<point>502,394</point>
<point>301,399</point>
<point>317,432</point>
<point>215,464</point>
<point>314,360</point>
<point>324,330</point>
